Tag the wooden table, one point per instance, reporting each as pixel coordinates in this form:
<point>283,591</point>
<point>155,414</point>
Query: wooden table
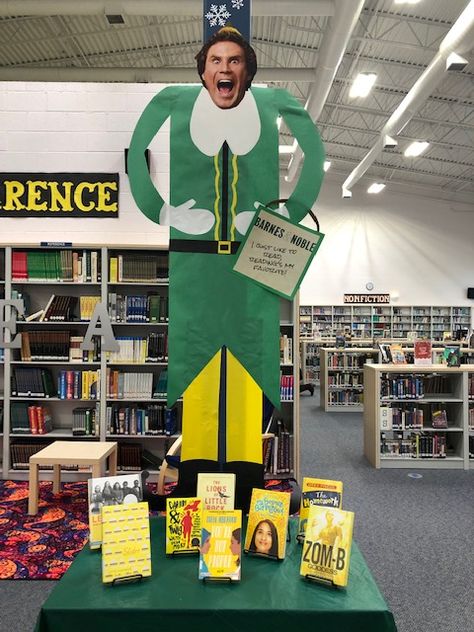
<point>93,453</point>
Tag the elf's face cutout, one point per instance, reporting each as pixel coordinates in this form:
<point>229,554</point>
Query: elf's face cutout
<point>225,74</point>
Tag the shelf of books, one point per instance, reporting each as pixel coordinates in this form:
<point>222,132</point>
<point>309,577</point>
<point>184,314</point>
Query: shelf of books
<point>365,322</point>
<point>51,389</point>
<point>342,377</point>
<point>418,416</point>
<point>281,428</point>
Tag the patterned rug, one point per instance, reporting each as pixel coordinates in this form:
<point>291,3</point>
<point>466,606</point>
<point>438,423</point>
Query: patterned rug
<point>43,546</point>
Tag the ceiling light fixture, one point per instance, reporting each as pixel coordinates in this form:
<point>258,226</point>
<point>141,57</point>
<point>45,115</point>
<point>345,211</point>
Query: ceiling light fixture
<point>376,187</point>
<point>416,148</point>
<point>114,18</point>
<point>388,142</point>
<point>346,193</point>
<point>407,1</point>
<point>327,164</point>
<point>362,84</point>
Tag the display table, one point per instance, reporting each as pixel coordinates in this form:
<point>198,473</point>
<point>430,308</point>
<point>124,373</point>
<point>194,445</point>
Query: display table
<point>93,453</point>
<point>270,598</point>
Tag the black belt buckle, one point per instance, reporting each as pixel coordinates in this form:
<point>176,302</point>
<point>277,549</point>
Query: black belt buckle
<point>224,248</point>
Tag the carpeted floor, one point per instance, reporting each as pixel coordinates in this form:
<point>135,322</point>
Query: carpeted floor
<point>41,546</point>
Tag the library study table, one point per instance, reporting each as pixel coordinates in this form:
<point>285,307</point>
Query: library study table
<point>271,597</point>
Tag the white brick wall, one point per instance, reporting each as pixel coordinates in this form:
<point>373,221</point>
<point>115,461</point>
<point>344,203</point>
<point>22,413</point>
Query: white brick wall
<point>421,248</point>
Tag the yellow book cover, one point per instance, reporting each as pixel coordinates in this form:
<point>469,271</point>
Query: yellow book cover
<point>126,549</point>
<point>327,546</point>
<point>113,270</point>
<point>108,491</point>
<point>220,552</point>
<point>268,523</point>
<point>216,490</point>
<point>317,491</point>
<point>183,525</point>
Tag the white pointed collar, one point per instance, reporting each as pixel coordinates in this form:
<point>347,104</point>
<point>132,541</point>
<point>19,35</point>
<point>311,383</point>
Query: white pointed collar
<point>210,125</point>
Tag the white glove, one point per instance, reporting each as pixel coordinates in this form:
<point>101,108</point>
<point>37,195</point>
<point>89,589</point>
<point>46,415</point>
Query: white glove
<point>192,221</point>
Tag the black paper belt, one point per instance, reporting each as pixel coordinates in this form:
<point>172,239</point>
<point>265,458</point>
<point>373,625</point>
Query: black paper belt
<point>205,246</point>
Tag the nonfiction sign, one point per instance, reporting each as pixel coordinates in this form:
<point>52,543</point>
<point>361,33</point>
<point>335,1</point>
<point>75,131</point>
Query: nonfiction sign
<point>276,253</point>
<point>59,194</point>
<point>367,299</point>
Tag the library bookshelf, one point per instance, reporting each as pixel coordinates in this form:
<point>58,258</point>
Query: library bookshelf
<point>320,322</point>
<point>342,377</point>
<point>50,389</point>
<point>418,416</point>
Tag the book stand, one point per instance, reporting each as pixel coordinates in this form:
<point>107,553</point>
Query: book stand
<point>321,580</point>
<point>127,579</point>
<point>216,580</point>
<point>194,551</point>
<point>267,555</point>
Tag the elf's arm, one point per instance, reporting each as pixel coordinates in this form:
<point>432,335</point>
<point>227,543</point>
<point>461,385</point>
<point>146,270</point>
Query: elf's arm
<point>184,217</point>
<point>311,176</point>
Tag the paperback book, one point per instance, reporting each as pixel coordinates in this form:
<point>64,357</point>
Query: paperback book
<point>327,546</point>
<point>452,355</point>
<point>126,550</point>
<point>397,354</point>
<point>423,352</point>
<point>110,491</point>
<point>268,524</point>
<point>220,551</point>
<point>216,490</point>
<point>183,525</point>
<point>317,491</point>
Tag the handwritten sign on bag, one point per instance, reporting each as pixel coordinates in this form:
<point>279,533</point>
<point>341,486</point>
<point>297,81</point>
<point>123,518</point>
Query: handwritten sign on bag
<point>276,252</point>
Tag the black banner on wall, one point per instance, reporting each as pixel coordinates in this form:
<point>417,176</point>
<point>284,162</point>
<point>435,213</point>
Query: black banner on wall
<point>59,194</point>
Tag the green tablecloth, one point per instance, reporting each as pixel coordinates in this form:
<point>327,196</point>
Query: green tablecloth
<point>271,597</point>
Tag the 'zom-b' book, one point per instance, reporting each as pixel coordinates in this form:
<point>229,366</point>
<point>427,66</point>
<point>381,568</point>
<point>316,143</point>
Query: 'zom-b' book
<point>217,490</point>
<point>268,523</point>
<point>327,546</point>
<point>318,491</point>
<point>126,550</point>
<point>220,552</point>
<point>183,525</point>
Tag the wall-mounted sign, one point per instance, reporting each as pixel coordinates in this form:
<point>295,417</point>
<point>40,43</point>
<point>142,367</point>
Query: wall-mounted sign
<point>59,194</point>
<point>276,252</point>
<point>371,299</point>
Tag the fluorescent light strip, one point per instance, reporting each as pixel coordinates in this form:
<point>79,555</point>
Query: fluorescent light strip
<point>416,148</point>
<point>327,164</point>
<point>376,187</point>
<point>362,84</point>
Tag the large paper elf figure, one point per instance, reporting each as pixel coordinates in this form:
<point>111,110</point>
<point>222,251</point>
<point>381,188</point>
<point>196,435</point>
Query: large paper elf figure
<point>223,328</point>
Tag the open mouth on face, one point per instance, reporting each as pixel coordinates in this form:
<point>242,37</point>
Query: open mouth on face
<point>225,86</point>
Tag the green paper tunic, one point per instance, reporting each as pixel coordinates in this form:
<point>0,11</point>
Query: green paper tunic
<point>210,305</point>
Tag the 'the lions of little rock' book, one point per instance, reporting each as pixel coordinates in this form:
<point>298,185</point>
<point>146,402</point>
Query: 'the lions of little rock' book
<point>216,490</point>
<point>219,556</point>
<point>183,525</point>
<point>268,524</point>
<point>327,546</point>
<point>317,491</point>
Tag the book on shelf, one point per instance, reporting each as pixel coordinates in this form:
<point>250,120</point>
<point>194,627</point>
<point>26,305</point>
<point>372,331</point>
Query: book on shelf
<point>385,354</point>
<point>32,382</point>
<point>278,450</point>
<point>268,524</point>
<point>439,417</point>
<point>183,525</point>
<point>327,546</point>
<point>220,552</point>
<point>20,453</point>
<point>385,418</point>
<point>129,458</point>
<point>216,490</point>
<point>108,491</point>
<point>317,491</point>
<point>126,547</point>
<point>397,354</point>
<point>452,355</point>
<point>286,349</point>
<point>422,352</point>
<point>85,421</point>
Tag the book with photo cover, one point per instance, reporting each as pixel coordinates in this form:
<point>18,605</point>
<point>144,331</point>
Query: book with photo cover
<point>183,525</point>
<point>317,491</point>
<point>267,525</point>
<point>327,546</point>
<point>109,491</point>
<point>220,551</point>
<point>217,490</point>
<point>126,549</point>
